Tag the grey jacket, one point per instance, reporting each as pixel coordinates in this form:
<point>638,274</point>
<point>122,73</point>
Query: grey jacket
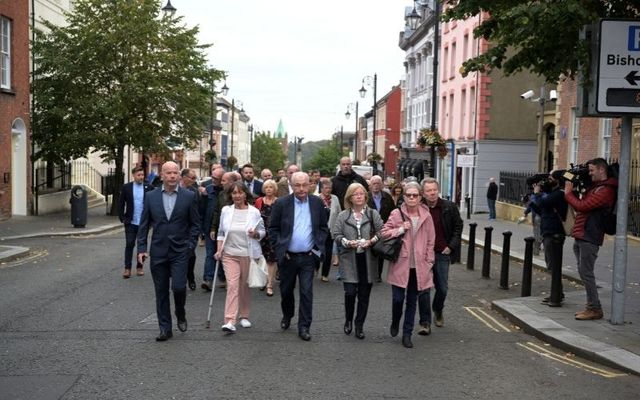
<point>345,227</point>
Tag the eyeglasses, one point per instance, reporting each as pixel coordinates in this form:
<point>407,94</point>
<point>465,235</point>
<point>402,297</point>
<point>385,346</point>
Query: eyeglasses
<point>412,195</point>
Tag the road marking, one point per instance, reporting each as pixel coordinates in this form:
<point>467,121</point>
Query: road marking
<point>487,319</point>
<point>32,256</point>
<point>544,352</point>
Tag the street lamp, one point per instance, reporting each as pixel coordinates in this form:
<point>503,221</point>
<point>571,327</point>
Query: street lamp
<point>168,10</point>
<point>347,114</point>
<point>413,19</point>
<point>373,83</point>
<point>541,100</point>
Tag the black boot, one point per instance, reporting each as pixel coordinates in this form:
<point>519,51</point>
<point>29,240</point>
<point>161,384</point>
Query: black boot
<point>348,325</point>
<point>406,342</point>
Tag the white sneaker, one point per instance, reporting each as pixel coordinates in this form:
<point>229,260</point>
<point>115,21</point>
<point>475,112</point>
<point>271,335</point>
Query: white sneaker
<point>229,327</point>
<point>245,323</point>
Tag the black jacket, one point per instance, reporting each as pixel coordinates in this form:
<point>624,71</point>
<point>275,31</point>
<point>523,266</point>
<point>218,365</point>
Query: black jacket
<point>452,224</point>
<point>552,208</point>
<point>125,202</point>
<point>341,182</point>
<point>386,205</point>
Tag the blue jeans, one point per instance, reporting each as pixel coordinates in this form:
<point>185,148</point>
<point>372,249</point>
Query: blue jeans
<point>492,208</point>
<point>441,286</point>
<point>398,297</point>
<point>302,267</point>
<point>209,261</point>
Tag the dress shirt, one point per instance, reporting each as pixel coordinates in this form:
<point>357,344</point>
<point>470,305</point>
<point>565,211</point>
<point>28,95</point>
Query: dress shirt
<point>169,200</point>
<point>138,202</point>
<point>377,200</point>
<point>302,235</point>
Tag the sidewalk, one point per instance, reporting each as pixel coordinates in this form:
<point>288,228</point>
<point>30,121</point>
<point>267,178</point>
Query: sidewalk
<point>615,345</point>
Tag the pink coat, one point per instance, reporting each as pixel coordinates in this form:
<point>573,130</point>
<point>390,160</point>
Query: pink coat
<point>422,244</point>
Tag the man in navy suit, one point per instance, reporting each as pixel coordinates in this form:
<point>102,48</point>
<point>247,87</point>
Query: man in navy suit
<point>248,177</point>
<point>172,212</point>
<point>297,232</point>
<point>130,211</point>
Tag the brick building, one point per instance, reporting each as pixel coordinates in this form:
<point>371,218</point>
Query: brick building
<point>14,108</point>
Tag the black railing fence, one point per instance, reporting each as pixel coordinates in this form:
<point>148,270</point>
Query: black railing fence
<point>514,190</point>
<point>53,178</point>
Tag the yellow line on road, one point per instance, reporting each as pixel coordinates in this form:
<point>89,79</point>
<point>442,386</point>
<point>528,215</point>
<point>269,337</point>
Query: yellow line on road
<point>487,319</point>
<point>544,352</point>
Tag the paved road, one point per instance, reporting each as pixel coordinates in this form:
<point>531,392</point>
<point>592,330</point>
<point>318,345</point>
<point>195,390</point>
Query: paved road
<point>71,328</point>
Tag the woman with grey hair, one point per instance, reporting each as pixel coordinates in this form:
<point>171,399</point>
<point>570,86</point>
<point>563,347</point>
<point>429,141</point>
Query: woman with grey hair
<point>332,207</point>
<point>355,231</point>
<point>412,272</point>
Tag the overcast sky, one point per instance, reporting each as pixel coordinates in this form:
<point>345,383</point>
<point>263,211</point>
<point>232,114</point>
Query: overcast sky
<point>300,61</point>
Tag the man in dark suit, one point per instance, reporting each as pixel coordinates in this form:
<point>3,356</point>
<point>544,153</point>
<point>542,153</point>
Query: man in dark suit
<point>383,203</point>
<point>297,232</point>
<point>172,212</point>
<point>130,211</point>
<point>248,177</point>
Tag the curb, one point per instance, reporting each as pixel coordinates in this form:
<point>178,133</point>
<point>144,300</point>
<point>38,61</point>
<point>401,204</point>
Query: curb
<point>83,232</point>
<point>559,336</point>
<point>10,253</point>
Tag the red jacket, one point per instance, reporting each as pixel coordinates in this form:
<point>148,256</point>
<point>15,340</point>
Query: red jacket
<point>592,209</point>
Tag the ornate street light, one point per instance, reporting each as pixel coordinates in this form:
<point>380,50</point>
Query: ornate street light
<point>168,9</point>
<point>413,19</point>
<point>347,114</point>
<point>373,83</point>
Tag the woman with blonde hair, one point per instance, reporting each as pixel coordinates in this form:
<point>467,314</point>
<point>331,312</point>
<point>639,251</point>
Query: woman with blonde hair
<point>264,203</point>
<point>412,272</point>
<point>355,231</point>
<point>240,230</point>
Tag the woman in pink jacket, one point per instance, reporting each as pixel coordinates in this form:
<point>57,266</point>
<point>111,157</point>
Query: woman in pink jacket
<point>411,273</point>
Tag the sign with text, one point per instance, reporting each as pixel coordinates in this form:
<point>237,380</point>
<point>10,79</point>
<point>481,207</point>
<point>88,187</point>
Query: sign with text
<point>618,80</point>
<point>465,160</point>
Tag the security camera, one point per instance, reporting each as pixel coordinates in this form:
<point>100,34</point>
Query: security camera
<point>553,95</point>
<point>527,95</point>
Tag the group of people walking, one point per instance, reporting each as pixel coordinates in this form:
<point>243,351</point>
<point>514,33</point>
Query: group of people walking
<point>297,224</point>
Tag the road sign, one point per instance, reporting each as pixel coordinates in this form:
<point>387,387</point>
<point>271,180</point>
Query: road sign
<point>618,81</point>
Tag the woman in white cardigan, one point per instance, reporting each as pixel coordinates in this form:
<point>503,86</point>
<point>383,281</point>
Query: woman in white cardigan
<point>239,234</point>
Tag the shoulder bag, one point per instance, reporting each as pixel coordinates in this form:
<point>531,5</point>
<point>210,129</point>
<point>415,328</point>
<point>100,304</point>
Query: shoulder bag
<point>389,249</point>
<point>257,269</point>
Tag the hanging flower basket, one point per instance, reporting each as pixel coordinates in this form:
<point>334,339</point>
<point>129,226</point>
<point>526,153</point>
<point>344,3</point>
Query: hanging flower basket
<point>432,138</point>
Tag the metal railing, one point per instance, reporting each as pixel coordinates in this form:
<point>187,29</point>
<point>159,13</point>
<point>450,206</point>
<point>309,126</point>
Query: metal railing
<point>53,178</point>
<point>82,173</point>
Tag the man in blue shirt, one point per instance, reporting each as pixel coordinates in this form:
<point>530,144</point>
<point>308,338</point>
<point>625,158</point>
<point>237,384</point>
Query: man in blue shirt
<point>129,211</point>
<point>298,231</point>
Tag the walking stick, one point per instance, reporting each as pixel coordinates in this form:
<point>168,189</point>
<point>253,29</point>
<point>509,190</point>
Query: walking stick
<point>213,290</point>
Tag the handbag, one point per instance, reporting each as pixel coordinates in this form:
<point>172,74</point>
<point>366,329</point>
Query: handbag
<point>257,273</point>
<point>389,249</point>
<point>257,269</point>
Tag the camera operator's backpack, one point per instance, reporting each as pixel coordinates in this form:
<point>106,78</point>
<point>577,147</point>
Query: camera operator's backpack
<point>569,220</point>
<point>610,219</point>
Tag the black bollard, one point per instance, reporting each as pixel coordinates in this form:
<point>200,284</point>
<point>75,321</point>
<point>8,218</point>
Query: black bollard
<point>555,299</point>
<point>467,201</point>
<point>486,259</point>
<point>504,270</point>
<point>471,254</point>
<point>527,267</point>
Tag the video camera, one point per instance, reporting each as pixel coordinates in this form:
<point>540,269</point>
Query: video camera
<point>579,175</point>
<point>541,179</point>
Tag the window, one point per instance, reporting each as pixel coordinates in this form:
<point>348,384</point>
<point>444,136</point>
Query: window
<point>575,132</point>
<point>444,63</point>
<point>5,53</point>
<point>452,69</point>
<point>465,47</point>
<point>463,110</point>
<point>605,132</point>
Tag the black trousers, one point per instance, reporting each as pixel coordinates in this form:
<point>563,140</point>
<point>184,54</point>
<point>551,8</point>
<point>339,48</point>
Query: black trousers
<point>130,234</point>
<point>328,253</point>
<point>360,290</point>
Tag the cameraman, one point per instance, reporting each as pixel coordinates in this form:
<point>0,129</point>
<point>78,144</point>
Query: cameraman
<point>591,210</point>
<point>549,203</point>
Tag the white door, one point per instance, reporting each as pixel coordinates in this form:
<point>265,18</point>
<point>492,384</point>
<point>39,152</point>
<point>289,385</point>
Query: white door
<point>18,168</point>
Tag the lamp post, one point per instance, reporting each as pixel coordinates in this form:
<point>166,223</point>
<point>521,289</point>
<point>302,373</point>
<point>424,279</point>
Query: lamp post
<point>541,100</point>
<point>347,114</point>
<point>168,10</point>
<point>373,83</point>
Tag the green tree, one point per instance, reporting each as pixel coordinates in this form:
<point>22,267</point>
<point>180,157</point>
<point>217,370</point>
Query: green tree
<point>266,152</point>
<point>119,75</point>
<point>325,160</point>
<point>539,36</point>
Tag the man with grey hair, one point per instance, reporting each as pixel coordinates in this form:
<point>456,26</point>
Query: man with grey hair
<point>266,174</point>
<point>285,187</point>
<point>298,232</point>
<point>448,226</point>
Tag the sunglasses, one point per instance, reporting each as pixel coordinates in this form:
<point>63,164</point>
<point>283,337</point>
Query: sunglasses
<point>412,195</point>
